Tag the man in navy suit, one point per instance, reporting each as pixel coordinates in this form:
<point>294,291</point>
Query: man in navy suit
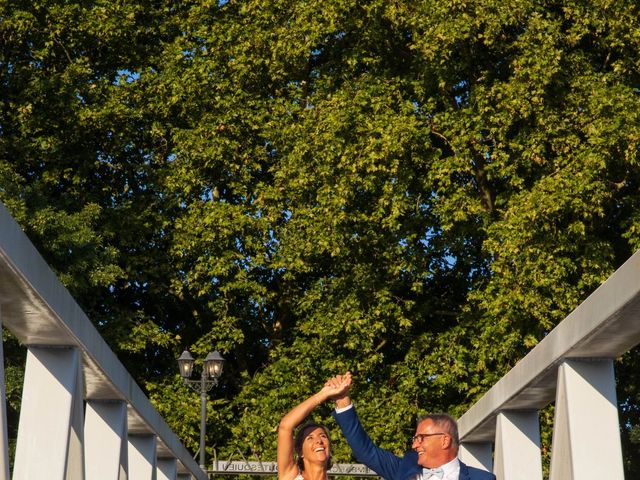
<point>434,453</point>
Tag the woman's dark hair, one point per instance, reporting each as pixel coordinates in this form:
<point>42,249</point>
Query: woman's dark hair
<point>302,433</point>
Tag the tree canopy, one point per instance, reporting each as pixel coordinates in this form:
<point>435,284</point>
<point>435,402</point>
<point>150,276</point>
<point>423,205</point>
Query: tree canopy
<point>415,191</point>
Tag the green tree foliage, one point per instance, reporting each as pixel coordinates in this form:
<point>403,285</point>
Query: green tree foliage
<point>415,191</point>
<point>81,160</point>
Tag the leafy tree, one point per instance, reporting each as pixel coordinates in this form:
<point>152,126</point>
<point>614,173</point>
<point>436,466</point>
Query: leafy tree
<point>81,160</point>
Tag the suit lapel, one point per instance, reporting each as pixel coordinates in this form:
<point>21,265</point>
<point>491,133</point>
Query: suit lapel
<point>464,472</point>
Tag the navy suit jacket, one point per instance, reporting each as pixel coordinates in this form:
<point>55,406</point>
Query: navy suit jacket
<point>385,463</point>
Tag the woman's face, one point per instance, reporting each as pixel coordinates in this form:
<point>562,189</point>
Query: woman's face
<point>316,447</point>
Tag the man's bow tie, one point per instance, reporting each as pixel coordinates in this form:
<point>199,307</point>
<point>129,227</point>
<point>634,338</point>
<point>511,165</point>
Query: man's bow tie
<point>428,473</point>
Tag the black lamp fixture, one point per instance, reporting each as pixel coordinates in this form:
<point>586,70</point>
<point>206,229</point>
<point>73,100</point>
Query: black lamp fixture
<point>211,372</point>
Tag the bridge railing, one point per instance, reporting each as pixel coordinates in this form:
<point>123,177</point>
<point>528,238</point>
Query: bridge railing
<point>82,414</point>
<point>84,417</point>
<point>572,366</point>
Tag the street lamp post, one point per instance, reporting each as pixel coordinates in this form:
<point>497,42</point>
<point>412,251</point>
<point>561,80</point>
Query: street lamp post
<point>211,371</point>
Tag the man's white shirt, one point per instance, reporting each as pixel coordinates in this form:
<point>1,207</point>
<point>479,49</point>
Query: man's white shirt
<point>451,470</point>
<point>344,409</point>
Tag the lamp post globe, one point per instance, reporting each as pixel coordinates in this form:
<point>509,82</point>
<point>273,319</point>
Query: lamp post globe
<point>185,364</point>
<point>213,364</point>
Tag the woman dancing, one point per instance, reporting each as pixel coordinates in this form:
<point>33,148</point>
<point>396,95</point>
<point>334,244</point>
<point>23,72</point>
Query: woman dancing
<point>308,456</point>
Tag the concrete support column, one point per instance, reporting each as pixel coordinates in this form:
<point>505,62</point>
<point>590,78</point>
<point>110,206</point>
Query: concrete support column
<point>4,438</point>
<point>105,433</point>
<point>477,455</point>
<point>50,432</point>
<point>167,469</point>
<point>586,435</point>
<point>142,457</point>
<point>184,476</point>
<point>518,446</point>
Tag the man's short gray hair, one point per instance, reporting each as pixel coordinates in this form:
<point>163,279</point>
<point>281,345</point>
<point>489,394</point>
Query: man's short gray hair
<point>447,423</point>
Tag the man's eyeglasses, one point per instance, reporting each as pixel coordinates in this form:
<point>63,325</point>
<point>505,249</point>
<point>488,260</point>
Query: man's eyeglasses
<point>419,437</point>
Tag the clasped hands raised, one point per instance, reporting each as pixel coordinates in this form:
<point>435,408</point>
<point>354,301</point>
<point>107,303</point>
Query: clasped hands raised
<point>337,387</point>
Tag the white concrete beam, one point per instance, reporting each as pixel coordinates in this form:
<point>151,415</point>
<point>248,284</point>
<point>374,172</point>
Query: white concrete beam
<point>105,430</point>
<point>142,457</point>
<point>38,310</point>
<point>586,436</point>
<point>75,458</point>
<point>4,438</point>
<point>477,454</point>
<point>167,469</point>
<point>518,446</point>
<point>605,325</point>
<point>50,432</point>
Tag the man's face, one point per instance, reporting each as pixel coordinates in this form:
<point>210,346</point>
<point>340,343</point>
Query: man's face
<point>431,443</point>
